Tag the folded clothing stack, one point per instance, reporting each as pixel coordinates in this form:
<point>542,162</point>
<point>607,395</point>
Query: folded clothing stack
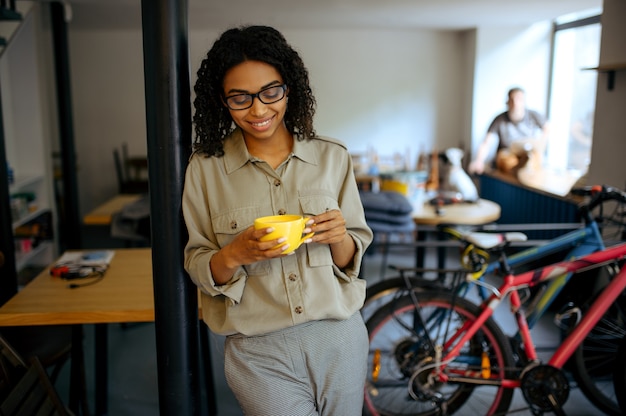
<point>387,212</point>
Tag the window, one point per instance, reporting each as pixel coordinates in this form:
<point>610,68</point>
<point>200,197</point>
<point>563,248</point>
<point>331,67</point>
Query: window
<point>572,100</point>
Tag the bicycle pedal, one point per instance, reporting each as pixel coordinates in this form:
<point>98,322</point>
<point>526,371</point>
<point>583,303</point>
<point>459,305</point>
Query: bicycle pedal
<point>568,317</point>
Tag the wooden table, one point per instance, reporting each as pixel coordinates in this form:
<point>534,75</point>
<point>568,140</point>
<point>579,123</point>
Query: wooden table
<point>125,294</point>
<point>103,214</point>
<point>477,213</point>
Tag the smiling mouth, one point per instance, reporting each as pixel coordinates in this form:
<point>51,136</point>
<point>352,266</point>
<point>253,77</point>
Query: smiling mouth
<point>262,123</point>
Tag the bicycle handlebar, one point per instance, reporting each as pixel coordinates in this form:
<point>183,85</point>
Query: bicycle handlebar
<point>599,194</point>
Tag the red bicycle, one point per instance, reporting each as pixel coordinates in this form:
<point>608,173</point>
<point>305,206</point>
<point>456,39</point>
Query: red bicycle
<point>433,352</point>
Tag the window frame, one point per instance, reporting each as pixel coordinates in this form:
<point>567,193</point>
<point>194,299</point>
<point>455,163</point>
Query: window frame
<point>557,28</point>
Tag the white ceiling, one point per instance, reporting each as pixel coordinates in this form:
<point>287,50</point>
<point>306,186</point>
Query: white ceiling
<point>400,14</point>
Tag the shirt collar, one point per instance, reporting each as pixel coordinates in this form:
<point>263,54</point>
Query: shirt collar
<point>236,153</point>
<point>306,151</point>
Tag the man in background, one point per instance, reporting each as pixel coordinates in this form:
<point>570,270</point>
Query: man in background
<point>519,133</point>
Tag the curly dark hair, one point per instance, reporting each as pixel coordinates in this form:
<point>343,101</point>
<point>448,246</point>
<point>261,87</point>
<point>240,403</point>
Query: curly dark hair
<point>212,119</point>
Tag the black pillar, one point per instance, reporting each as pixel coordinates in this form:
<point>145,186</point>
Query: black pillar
<point>8,274</point>
<point>69,215</point>
<point>168,117</point>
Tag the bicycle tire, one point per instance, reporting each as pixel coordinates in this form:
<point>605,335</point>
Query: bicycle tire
<point>595,358</point>
<point>388,396</point>
<point>391,285</point>
<point>384,290</point>
<point>619,376</point>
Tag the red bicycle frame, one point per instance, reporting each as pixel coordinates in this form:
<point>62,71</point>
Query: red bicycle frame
<point>532,278</point>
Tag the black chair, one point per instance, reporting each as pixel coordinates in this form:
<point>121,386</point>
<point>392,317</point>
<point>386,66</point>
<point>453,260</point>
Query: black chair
<point>51,344</point>
<point>129,171</point>
<point>26,389</point>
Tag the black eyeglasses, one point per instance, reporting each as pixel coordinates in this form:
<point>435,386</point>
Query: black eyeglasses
<point>268,95</point>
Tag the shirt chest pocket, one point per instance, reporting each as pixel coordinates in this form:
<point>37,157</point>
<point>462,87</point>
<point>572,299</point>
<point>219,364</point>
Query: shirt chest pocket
<point>314,204</point>
<point>227,225</point>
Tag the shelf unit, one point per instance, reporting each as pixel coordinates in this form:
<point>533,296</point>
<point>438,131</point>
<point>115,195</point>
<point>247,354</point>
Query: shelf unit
<point>37,249</point>
<point>610,70</point>
<point>27,127</point>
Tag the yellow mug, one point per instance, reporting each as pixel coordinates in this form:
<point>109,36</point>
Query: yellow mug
<point>288,226</point>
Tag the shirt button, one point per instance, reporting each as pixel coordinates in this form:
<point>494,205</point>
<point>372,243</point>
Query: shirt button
<point>292,277</point>
<point>233,225</point>
<point>276,182</point>
<point>298,309</point>
<point>281,212</point>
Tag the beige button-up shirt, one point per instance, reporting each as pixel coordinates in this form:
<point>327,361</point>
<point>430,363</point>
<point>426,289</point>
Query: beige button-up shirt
<point>223,196</point>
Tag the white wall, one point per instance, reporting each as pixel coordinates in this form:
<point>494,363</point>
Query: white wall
<point>389,90</point>
<point>609,137</point>
<point>109,107</point>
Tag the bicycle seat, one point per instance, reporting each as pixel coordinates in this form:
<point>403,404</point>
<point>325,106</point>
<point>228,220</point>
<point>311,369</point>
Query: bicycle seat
<point>491,240</point>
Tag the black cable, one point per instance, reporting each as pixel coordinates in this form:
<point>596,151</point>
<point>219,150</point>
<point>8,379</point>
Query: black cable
<point>97,276</point>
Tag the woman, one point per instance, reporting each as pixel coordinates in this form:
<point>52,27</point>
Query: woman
<point>295,341</point>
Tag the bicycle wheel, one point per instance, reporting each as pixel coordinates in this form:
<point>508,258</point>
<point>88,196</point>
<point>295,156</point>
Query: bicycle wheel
<point>384,290</point>
<point>398,349</point>
<point>619,376</point>
<point>594,359</point>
